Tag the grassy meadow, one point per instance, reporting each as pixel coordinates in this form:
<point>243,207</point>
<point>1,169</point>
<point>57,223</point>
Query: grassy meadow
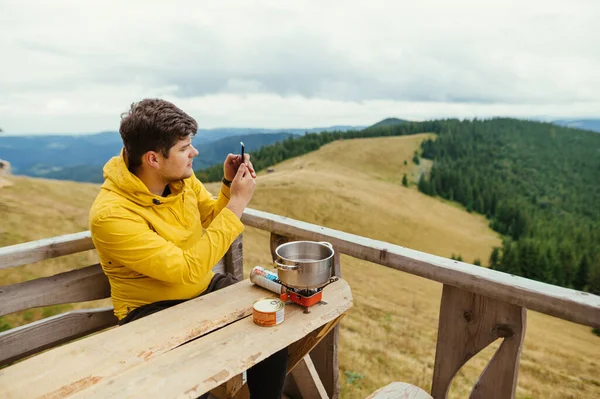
<point>354,186</point>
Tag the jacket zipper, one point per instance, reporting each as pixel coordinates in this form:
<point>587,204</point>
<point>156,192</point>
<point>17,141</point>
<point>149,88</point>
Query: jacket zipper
<point>175,213</point>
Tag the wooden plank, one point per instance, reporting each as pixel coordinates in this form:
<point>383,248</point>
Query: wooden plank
<point>229,389</point>
<point>220,267</point>
<point>35,251</point>
<point>299,349</point>
<point>86,284</point>
<point>234,258</point>
<point>399,390</point>
<point>26,340</point>
<point>325,358</point>
<point>78,285</point>
<point>469,323</point>
<point>575,306</point>
<point>200,365</point>
<point>308,380</point>
<point>116,350</point>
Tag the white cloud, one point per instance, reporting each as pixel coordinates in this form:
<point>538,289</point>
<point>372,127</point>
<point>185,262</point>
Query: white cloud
<point>72,66</point>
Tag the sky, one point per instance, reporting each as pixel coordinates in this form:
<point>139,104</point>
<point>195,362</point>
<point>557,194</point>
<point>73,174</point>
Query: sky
<point>75,66</point>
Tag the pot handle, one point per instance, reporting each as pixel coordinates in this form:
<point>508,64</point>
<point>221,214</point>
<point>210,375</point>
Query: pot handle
<point>326,243</point>
<point>278,265</point>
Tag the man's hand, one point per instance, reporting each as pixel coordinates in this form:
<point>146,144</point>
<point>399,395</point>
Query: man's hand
<point>232,164</point>
<point>242,189</point>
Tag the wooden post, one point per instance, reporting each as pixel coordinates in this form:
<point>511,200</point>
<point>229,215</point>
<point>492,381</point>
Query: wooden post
<point>469,323</point>
<point>234,259</point>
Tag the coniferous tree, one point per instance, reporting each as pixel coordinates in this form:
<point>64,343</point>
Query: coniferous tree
<point>404,181</point>
<point>495,258</point>
<point>416,158</point>
<point>594,277</point>
<point>581,278</point>
<point>423,185</point>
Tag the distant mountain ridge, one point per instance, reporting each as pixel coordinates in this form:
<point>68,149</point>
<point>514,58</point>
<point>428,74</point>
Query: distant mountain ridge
<point>219,133</point>
<point>81,157</point>
<point>389,122</point>
<point>585,124</point>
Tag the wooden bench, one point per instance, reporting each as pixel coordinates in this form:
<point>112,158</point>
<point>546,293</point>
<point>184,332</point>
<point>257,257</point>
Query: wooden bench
<point>80,285</point>
<point>183,351</point>
<point>90,283</point>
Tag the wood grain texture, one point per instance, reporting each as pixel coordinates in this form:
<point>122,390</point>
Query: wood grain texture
<point>399,390</point>
<point>299,349</point>
<point>35,251</point>
<point>26,340</point>
<point>79,285</point>
<point>468,323</point>
<point>575,306</point>
<point>229,389</point>
<point>234,259</point>
<point>85,284</point>
<point>200,365</point>
<point>135,360</point>
<point>116,350</point>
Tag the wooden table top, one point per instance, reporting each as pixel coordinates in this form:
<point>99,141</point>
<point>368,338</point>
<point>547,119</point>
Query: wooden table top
<point>180,352</point>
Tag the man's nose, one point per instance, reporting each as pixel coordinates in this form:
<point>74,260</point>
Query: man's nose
<point>194,152</point>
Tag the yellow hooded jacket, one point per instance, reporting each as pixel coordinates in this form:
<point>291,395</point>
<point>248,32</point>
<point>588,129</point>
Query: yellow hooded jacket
<point>155,248</point>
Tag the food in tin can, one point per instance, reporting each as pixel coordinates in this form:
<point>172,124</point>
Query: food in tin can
<point>268,312</point>
<point>267,279</point>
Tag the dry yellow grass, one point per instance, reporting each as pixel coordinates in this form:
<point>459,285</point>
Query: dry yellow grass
<point>32,209</point>
<point>390,333</point>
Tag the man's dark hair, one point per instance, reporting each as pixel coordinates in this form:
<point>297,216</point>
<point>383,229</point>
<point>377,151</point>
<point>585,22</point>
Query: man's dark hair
<point>153,125</point>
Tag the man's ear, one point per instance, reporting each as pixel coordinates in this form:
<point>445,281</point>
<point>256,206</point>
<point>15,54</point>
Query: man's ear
<point>151,158</point>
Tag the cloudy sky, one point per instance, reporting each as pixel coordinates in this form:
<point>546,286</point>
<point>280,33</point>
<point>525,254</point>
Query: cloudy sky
<point>75,66</point>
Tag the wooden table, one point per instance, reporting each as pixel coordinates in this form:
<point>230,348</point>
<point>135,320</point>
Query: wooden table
<point>180,352</point>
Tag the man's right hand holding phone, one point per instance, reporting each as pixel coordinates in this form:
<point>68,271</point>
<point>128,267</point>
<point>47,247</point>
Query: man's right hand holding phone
<point>243,184</point>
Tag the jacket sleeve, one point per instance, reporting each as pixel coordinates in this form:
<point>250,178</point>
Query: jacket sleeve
<point>208,206</point>
<point>124,238</point>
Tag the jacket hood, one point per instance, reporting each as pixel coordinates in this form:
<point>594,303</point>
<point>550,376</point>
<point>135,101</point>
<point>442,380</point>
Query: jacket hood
<point>119,179</point>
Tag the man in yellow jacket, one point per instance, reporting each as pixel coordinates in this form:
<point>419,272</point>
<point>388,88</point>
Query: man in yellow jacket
<point>159,232</point>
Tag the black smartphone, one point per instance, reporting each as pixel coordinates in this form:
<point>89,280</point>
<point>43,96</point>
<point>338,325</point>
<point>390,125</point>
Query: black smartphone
<point>242,151</point>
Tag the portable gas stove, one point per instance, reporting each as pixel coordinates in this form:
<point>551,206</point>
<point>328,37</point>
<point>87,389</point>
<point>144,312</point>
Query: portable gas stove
<point>305,297</point>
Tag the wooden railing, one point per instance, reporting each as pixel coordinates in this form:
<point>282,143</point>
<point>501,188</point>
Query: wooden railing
<point>478,305</point>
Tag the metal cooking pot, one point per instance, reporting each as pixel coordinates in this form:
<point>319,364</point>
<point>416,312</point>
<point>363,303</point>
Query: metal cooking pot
<point>304,264</point>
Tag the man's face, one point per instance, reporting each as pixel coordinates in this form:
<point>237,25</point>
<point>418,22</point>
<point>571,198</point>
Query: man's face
<point>179,163</point>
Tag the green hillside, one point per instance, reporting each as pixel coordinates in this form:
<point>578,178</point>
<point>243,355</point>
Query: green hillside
<point>389,122</point>
<point>538,184</point>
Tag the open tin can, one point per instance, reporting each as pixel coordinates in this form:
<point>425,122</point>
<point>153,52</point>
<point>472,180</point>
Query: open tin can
<point>268,312</point>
